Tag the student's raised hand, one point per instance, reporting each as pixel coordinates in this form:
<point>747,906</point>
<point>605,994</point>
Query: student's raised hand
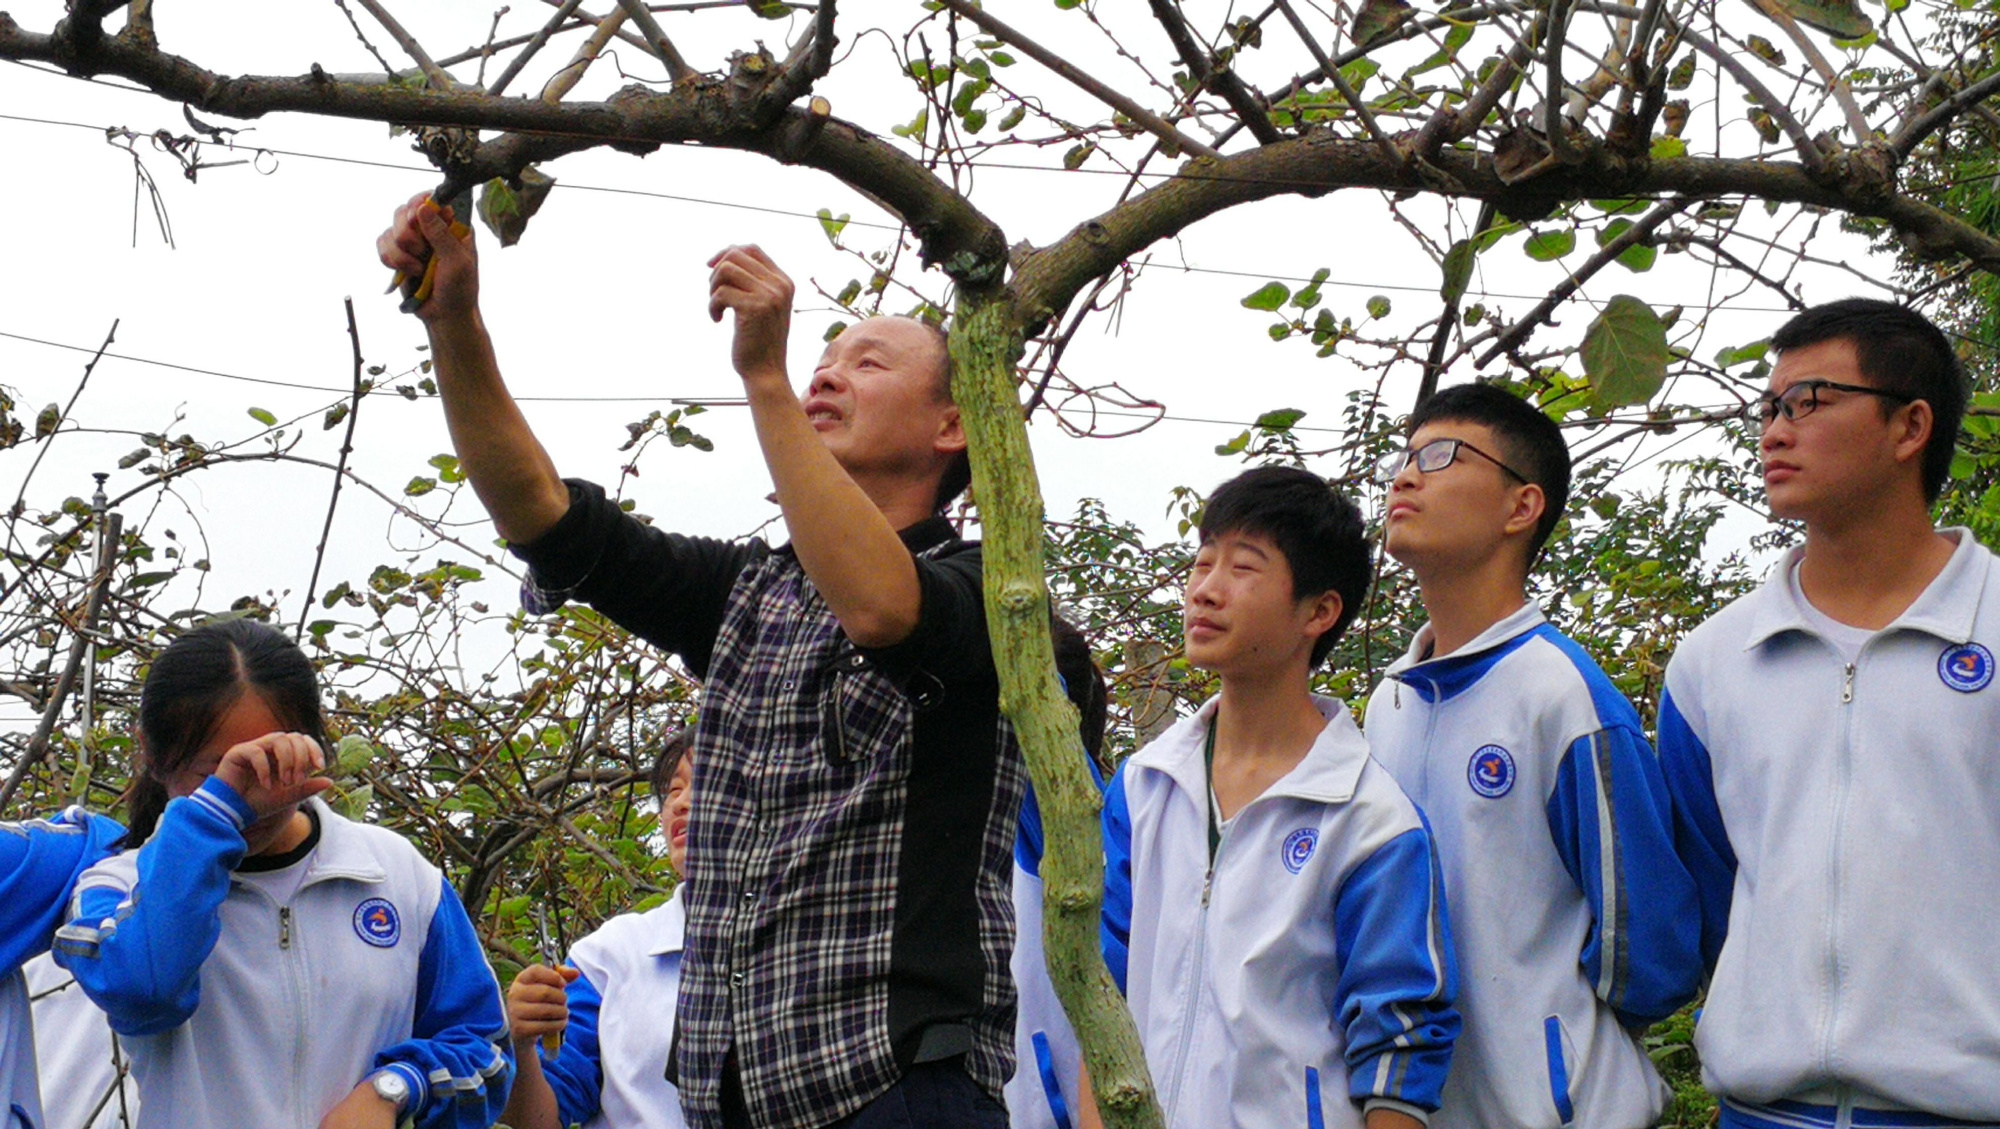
<point>275,771</point>
<point>419,231</point>
<point>362,1108</point>
<point>744,279</point>
<point>537,1005</point>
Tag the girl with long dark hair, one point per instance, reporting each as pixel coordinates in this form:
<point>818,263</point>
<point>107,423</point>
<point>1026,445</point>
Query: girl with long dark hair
<point>268,961</point>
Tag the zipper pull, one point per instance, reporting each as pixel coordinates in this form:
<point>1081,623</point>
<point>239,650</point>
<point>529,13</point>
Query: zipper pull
<point>1847,686</point>
<point>1396,692</point>
<point>284,927</point>
<point>1207,884</point>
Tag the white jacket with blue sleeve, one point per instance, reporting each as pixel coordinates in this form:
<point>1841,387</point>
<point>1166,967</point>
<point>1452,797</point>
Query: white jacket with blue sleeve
<point>40,862</point>
<point>1574,915</point>
<point>239,1011</point>
<point>1304,977</point>
<point>1842,821</point>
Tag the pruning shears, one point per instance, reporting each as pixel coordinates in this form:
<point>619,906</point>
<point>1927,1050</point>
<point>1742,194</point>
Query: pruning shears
<point>551,1042</point>
<point>417,291</point>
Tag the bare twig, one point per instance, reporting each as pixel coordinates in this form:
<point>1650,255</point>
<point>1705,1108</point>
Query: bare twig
<point>1340,82</point>
<point>656,39</point>
<point>565,80</point>
<point>1552,105</point>
<point>1919,126</point>
<point>38,743</point>
<point>514,65</point>
<point>387,68</point>
<point>81,383</point>
<point>339,470</point>
<point>1631,236</point>
<point>1209,73</point>
<point>1856,120</point>
<point>486,52</point>
<point>1144,118</point>
<point>594,21</point>
<point>438,79</point>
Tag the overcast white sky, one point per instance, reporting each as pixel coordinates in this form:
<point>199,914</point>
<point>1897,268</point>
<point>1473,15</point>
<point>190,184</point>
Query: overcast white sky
<point>604,297</point>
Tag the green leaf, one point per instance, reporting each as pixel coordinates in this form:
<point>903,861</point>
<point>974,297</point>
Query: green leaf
<point>1618,208</point>
<point>506,210</point>
<point>975,120</point>
<point>918,125</point>
<point>1842,19</point>
<point>263,417</point>
<point>1280,419</point>
<point>1378,18</point>
<point>1014,117</point>
<point>334,594</point>
<point>1280,331</point>
<point>1457,271</point>
<point>1638,257</point>
<point>333,417</point>
<point>1668,148</point>
<point>1234,446</point>
<point>1074,159</point>
<point>355,804</point>
<point>419,486</point>
<point>1378,306</point>
<point>1547,246</point>
<point>834,330</point>
<point>355,752</point>
<point>1766,50</point>
<point>134,458</point>
<point>1000,58</point>
<point>832,225</point>
<point>1625,353</point>
<point>1269,296</point>
<point>1729,357</point>
<point>1682,76</point>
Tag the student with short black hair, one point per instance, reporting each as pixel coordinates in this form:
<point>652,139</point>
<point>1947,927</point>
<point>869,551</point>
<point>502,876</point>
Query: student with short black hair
<point>1574,915</point>
<point>268,961</point>
<point>610,1002</point>
<point>1273,906</point>
<point>1829,741</point>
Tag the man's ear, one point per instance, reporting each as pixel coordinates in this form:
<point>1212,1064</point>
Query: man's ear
<point>951,433</point>
<point>1326,609</point>
<point>1529,506</point>
<point>1914,433</point>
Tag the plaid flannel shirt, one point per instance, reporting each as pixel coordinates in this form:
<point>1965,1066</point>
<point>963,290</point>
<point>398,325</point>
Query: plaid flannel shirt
<point>835,927</point>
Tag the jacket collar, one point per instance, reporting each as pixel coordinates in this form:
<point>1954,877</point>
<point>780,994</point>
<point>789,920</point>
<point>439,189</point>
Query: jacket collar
<point>1947,607</point>
<point>668,923</point>
<point>1327,774</point>
<point>1447,676</point>
<point>343,851</point>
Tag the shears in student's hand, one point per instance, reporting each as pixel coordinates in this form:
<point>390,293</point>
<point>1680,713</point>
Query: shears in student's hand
<point>417,291</point>
<point>552,1041</point>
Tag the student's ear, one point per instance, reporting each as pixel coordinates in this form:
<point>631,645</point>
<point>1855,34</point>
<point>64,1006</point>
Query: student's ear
<point>951,433</point>
<point>1529,506</point>
<point>1913,434</point>
<point>1326,608</point>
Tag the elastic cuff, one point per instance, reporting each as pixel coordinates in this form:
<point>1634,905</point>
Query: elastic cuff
<point>1422,1115</point>
<point>420,1089</point>
<point>216,795</point>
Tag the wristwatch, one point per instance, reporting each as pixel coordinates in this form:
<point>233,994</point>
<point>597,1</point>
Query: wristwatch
<point>392,1087</point>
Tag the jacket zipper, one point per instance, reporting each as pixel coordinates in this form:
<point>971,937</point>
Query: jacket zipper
<point>1843,776</point>
<point>1196,978</point>
<point>284,927</point>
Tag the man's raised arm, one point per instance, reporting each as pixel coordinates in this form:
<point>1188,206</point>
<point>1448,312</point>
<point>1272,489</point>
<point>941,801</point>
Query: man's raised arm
<point>514,477</point>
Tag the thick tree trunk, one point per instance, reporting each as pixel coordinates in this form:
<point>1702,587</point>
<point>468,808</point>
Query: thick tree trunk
<point>985,343</point>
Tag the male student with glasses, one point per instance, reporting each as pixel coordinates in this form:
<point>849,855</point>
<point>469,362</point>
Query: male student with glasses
<point>1829,740</point>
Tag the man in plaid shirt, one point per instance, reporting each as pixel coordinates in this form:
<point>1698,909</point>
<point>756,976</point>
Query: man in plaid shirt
<point>849,921</point>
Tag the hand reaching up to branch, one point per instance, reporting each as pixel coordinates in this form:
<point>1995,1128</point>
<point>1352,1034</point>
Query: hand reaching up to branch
<point>420,231</point>
<point>744,279</point>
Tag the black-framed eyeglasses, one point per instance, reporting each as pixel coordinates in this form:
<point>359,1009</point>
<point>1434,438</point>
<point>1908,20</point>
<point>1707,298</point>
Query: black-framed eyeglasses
<point>1802,399</point>
<point>1432,457</point>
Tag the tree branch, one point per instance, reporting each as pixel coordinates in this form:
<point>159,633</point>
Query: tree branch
<point>1919,126</point>
<point>438,79</point>
<point>534,46</point>
<point>339,472</point>
<point>1209,73</point>
<point>1856,120</point>
<point>1340,82</point>
<point>1606,255</point>
<point>1144,118</point>
<point>656,39</point>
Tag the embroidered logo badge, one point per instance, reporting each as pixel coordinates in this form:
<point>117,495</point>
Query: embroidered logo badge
<point>1299,847</point>
<point>1491,772</point>
<point>1967,668</point>
<point>375,922</point>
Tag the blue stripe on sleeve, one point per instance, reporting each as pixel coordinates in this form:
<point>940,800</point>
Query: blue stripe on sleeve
<point>458,1037</point>
<point>1699,834</point>
<point>1115,934</point>
<point>1398,974</point>
<point>576,1074</point>
<point>1611,820</point>
<point>138,953</point>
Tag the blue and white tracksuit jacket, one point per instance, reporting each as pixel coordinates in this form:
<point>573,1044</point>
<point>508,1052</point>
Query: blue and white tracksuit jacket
<point>1575,918</point>
<point>40,862</point>
<point>610,1072</point>
<point>1042,1094</point>
<point>1305,976</point>
<point>1843,824</point>
<point>239,1011</point>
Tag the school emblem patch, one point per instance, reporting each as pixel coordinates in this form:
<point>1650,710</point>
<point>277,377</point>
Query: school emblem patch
<point>375,922</point>
<point>1491,772</point>
<point>1967,668</point>
<point>1299,846</point>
